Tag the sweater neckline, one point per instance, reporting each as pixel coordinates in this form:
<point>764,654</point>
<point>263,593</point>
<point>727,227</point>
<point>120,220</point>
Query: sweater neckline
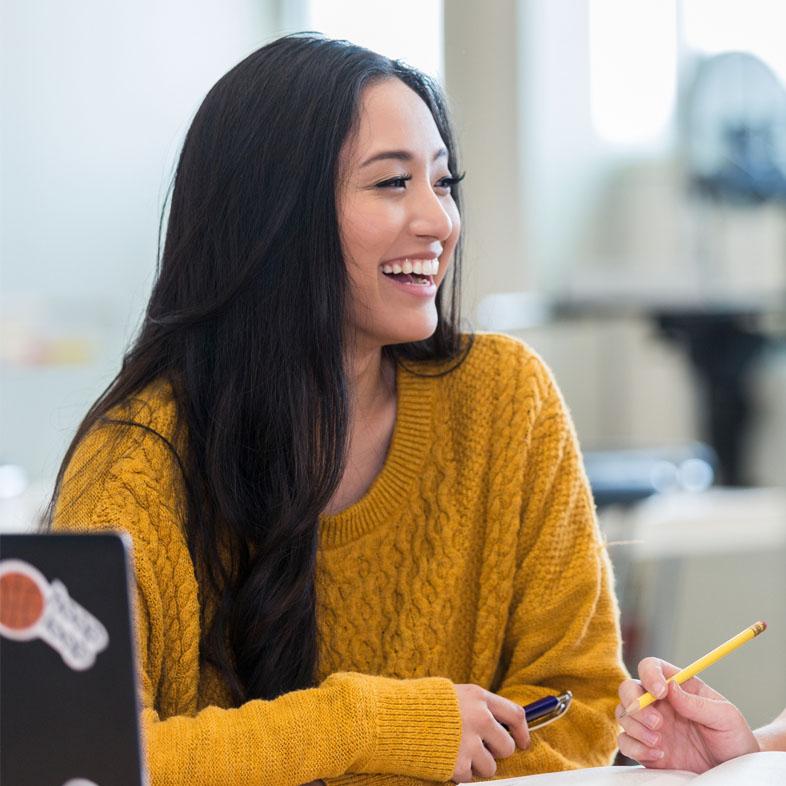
<point>403,464</point>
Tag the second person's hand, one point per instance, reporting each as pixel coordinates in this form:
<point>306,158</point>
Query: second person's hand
<point>483,738</point>
<point>693,728</point>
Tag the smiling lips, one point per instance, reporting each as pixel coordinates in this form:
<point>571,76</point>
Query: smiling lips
<point>420,267</point>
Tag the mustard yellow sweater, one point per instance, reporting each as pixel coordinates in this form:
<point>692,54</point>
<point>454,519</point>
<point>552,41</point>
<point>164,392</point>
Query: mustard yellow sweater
<point>473,558</point>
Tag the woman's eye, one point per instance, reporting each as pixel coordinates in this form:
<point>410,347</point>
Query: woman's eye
<point>395,182</point>
<point>449,182</point>
<point>401,182</point>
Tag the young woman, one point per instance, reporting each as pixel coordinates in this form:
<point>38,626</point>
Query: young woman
<point>692,728</point>
<point>362,539</point>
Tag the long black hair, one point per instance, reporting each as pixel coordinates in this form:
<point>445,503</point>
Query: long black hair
<point>246,324</point>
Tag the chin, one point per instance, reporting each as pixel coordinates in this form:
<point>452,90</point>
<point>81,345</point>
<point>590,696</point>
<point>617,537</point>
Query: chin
<point>414,335</point>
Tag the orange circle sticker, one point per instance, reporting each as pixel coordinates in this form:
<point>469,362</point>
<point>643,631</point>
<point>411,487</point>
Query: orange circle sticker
<point>21,602</point>
<point>33,608</point>
<point>23,598</point>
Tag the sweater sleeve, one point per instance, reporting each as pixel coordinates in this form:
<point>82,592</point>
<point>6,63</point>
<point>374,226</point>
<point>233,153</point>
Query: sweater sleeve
<point>351,722</point>
<point>563,629</point>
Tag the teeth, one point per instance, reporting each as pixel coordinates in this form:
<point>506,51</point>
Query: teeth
<point>421,267</point>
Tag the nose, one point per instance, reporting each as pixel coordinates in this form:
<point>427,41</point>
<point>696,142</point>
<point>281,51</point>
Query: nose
<point>429,216</point>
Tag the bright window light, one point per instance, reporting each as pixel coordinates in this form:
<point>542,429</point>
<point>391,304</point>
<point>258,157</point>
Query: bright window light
<point>755,26</point>
<point>409,30</point>
<point>633,70</point>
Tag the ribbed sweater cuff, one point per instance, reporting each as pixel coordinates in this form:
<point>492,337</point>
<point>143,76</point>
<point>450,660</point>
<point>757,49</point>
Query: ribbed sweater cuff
<point>418,728</point>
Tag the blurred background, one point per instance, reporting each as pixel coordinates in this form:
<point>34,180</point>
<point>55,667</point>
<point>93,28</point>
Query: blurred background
<point>625,215</point>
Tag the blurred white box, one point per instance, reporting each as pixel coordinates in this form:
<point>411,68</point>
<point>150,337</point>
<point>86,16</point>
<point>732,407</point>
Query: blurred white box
<point>701,568</point>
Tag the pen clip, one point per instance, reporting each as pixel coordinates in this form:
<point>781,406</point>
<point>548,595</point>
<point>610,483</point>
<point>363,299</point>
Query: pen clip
<point>563,703</point>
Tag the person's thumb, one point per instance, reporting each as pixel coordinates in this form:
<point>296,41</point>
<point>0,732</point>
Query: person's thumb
<point>699,709</point>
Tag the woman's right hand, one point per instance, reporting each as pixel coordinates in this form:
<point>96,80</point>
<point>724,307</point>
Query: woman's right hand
<point>694,727</point>
<point>483,738</point>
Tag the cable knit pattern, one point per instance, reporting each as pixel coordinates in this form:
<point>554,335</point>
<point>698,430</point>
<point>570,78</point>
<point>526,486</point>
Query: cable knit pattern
<point>473,557</point>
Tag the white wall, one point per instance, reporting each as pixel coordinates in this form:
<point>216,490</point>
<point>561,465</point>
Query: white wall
<point>96,98</point>
<point>483,82</point>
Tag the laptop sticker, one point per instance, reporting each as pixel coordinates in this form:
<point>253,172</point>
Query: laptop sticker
<point>33,608</point>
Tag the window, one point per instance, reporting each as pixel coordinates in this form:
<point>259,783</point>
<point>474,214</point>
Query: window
<point>633,70</point>
<point>410,30</point>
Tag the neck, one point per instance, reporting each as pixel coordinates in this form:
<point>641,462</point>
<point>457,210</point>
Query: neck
<point>371,382</point>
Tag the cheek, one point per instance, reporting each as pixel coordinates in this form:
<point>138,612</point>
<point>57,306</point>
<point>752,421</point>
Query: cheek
<point>362,281</point>
<point>366,231</point>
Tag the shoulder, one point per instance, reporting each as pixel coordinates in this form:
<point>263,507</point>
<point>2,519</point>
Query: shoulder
<point>139,427</point>
<point>497,393</point>
<point>127,463</point>
<point>500,352</point>
<point>499,369</point>
<point>153,409</point>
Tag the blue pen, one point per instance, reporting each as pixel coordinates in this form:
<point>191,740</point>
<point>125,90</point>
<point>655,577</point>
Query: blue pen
<point>547,709</point>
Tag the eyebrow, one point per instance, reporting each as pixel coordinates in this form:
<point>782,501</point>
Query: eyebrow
<point>400,155</point>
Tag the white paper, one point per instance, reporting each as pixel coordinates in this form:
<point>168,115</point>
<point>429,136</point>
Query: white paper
<point>758,769</point>
<point>755,769</point>
<point>600,776</point>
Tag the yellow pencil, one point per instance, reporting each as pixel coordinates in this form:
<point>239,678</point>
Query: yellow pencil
<point>700,664</point>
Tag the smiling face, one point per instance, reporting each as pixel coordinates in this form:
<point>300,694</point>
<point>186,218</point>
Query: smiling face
<point>398,222</point>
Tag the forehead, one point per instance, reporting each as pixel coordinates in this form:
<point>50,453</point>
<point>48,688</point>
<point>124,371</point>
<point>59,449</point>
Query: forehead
<point>392,116</point>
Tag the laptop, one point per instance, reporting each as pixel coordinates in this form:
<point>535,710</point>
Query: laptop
<point>68,695</point>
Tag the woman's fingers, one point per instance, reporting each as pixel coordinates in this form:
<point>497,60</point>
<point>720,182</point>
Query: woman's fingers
<point>499,743</point>
<point>513,716</point>
<point>482,735</point>
<point>484,764</point>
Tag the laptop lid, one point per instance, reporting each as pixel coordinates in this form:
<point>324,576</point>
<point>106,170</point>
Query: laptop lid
<point>68,709</point>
